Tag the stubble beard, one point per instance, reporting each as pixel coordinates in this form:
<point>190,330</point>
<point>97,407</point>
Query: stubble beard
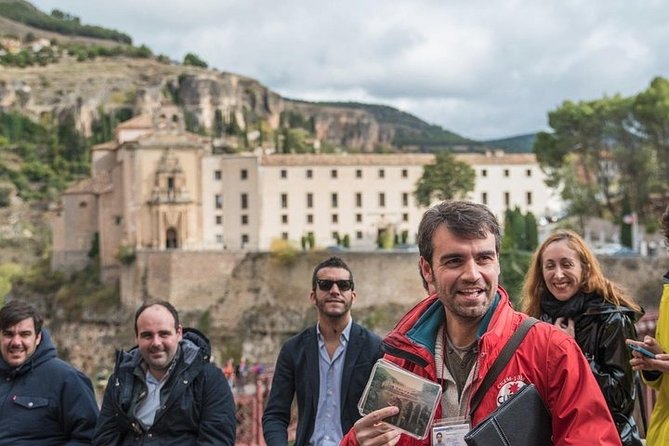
<point>464,313</point>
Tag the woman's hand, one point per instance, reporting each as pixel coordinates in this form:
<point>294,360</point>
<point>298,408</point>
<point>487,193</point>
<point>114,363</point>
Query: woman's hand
<point>640,362</point>
<point>565,325</point>
<point>370,430</point>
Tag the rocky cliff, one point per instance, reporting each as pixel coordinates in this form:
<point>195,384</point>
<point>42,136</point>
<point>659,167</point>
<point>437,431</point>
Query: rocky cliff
<point>88,89</point>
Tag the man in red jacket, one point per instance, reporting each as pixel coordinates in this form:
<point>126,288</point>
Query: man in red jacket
<point>454,335</point>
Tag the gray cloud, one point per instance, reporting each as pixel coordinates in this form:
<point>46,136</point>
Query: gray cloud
<point>484,69</point>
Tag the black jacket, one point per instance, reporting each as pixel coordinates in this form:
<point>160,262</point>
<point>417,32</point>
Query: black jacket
<point>45,401</point>
<point>197,407</point>
<point>297,374</point>
<point>601,329</point>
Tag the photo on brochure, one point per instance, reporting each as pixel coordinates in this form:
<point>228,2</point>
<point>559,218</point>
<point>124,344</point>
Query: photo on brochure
<point>416,398</point>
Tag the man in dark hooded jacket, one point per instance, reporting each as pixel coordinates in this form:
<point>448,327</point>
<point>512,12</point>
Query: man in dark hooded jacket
<point>43,400</point>
<point>165,391</point>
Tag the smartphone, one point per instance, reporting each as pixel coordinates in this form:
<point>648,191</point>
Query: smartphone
<point>642,350</point>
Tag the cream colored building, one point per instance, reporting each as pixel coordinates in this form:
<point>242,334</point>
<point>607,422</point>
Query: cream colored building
<point>158,187</point>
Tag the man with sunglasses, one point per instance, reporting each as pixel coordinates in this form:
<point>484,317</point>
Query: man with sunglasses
<point>326,366</point>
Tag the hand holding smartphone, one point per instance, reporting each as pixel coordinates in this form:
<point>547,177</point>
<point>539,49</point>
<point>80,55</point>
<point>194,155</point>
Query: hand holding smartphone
<point>642,350</point>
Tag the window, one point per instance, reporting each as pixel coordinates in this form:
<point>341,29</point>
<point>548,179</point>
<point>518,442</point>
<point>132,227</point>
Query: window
<point>284,201</point>
<point>382,200</point>
<point>217,175</point>
<point>358,199</point>
<point>358,173</point>
<point>284,236</point>
<point>218,200</point>
<point>170,183</point>
<point>335,236</point>
<point>243,174</point>
<point>219,238</point>
<point>358,218</point>
<point>335,218</point>
<point>405,173</point>
<point>245,201</point>
<point>484,197</point>
<point>245,219</point>
<point>284,173</point>
<point>334,199</point>
<point>405,199</point>
<point>83,204</point>
<point>219,219</point>
<point>507,199</point>
<point>245,239</point>
<point>506,172</point>
<point>309,173</point>
<point>284,219</point>
<point>382,173</point>
<point>528,172</point>
<point>529,198</point>
<point>310,200</point>
<point>118,219</point>
<point>310,218</point>
<point>358,235</point>
<point>333,173</point>
<point>405,217</point>
<point>484,172</point>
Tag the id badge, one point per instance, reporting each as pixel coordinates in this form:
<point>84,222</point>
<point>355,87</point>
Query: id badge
<point>450,432</point>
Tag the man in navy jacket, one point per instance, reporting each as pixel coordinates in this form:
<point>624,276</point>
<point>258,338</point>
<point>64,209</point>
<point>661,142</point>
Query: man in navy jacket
<point>165,391</point>
<point>43,400</point>
<point>326,366</point>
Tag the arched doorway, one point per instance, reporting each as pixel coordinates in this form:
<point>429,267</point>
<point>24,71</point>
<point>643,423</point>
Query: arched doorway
<point>171,241</point>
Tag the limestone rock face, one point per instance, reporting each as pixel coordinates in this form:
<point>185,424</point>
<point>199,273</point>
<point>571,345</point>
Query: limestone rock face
<point>104,85</point>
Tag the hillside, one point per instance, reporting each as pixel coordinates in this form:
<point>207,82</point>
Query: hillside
<point>514,144</point>
<point>23,17</point>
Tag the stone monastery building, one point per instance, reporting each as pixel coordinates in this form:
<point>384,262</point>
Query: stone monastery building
<point>158,187</point>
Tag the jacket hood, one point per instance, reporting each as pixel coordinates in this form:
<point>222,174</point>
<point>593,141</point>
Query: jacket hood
<point>44,352</point>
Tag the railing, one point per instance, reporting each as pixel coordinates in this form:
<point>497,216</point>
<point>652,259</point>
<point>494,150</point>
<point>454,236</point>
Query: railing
<point>250,399</point>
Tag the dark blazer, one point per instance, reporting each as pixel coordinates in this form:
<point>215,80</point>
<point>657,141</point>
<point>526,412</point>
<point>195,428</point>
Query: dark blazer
<point>296,373</point>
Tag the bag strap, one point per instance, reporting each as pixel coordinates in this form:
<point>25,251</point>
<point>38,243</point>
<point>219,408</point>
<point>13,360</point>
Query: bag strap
<point>504,356</point>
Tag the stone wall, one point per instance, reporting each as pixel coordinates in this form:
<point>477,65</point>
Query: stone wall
<point>250,303</point>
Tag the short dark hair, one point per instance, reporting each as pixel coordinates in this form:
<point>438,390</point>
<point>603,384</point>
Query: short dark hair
<point>332,262</point>
<point>665,225</point>
<point>465,219</point>
<point>163,303</point>
<point>16,311</point>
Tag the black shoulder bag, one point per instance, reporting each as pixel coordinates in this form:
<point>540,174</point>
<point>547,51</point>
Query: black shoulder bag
<point>522,420</point>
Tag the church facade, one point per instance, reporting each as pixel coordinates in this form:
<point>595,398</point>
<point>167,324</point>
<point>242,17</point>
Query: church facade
<point>158,187</point>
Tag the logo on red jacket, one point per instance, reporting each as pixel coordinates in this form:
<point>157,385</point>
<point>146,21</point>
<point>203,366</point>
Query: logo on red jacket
<point>509,389</point>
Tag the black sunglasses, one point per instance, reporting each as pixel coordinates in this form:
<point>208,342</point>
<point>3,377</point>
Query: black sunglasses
<point>326,285</point>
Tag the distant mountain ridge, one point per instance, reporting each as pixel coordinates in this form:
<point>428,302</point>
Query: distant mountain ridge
<point>514,144</point>
<point>230,107</point>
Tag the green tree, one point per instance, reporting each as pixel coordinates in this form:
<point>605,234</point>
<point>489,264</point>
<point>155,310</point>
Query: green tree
<point>447,178</point>
<point>651,118</point>
<point>514,229</point>
<point>604,150</point>
<point>531,232</point>
<point>625,227</point>
<point>194,60</point>
<point>520,231</point>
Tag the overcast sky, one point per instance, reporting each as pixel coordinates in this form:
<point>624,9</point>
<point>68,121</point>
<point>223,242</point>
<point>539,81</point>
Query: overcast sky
<point>482,68</point>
